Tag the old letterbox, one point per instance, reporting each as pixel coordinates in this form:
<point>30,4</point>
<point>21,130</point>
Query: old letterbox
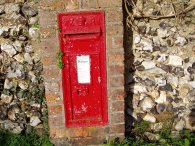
<point>82,40</point>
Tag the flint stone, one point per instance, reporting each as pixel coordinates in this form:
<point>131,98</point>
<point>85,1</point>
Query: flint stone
<point>173,80</point>
<point>12,111</point>
<point>178,100</point>
<point>28,49</point>
<point>22,38</point>
<point>137,39</point>
<point>2,8</point>
<point>29,11</point>
<point>161,58</point>
<point>167,87</point>
<point>27,58</point>
<point>175,60</point>
<point>191,70</point>
<point>162,33</point>
<point>160,108</point>
<point>179,71</point>
<point>33,33</point>
<point>6,98</point>
<point>156,41</point>
<point>149,118</point>
<point>142,29</point>
<point>152,136</point>
<point>160,81</point>
<point>8,84</point>
<point>33,20</point>
<point>162,98</point>
<point>3,112</point>
<point>156,70</point>
<point>18,46</point>
<point>180,125</point>
<point>147,45</point>
<point>19,58</point>
<point>11,7</point>
<point>166,68</point>
<point>149,82</point>
<point>138,88</point>
<point>192,84</point>
<point>184,90</point>
<point>9,49</point>
<point>146,104</point>
<point>169,108</point>
<point>163,49</point>
<point>192,93</point>
<point>4,31</point>
<point>23,86</point>
<point>140,68</point>
<point>148,64</point>
<point>193,65</point>
<point>34,121</point>
<point>180,41</point>
<point>169,99</point>
<point>156,127</point>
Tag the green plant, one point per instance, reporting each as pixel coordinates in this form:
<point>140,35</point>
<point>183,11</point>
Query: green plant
<point>35,25</point>
<point>141,127</point>
<point>116,142</point>
<point>59,60</point>
<point>165,132</point>
<point>33,139</point>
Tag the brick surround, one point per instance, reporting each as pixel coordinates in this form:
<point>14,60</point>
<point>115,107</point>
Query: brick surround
<point>60,135</point>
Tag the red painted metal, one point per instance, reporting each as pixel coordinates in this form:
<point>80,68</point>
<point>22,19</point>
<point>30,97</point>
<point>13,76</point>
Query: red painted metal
<point>83,34</point>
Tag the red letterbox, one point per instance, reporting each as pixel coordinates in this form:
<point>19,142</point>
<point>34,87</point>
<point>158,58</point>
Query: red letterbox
<point>82,40</point>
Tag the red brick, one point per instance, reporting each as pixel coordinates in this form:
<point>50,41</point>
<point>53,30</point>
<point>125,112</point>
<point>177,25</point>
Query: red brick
<point>117,118</point>
<point>116,58</point>
<point>114,15</point>
<point>101,3</point>
<point>117,128</point>
<point>118,106</point>
<point>57,133</point>
<point>56,121</point>
<point>49,46</point>
<point>53,98</point>
<point>52,86</point>
<point>51,73</point>
<point>49,32</point>
<point>117,42</point>
<point>52,4</point>
<point>78,132</point>
<point>47,18</point>
<point>116,69</point>
<point>94,131</point>
<point>117,94</point>
<point>114,29</point>
<point>49,60</point>
<point>117,81</point>
<point>89,141</point>
<point>55,110</point>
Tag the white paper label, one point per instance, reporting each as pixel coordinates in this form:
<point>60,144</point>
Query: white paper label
<point>83,69</point>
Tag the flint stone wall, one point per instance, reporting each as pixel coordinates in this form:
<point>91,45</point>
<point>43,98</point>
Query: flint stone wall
<point>22,104</point>
<point>160,81</point>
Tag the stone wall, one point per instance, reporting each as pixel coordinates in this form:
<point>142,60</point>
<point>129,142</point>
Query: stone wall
<point>22,105</point>
<point>61,135</point>
<point>161,87</point>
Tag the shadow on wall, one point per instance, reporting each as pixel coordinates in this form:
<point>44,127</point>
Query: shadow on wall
<point>129,71</point>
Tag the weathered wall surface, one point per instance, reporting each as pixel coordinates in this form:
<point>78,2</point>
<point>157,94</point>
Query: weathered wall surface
<point>61,135</point>
<point>162,85</point>
<point>22,103</point>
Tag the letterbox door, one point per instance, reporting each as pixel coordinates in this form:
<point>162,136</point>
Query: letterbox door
<point>84,73</point>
